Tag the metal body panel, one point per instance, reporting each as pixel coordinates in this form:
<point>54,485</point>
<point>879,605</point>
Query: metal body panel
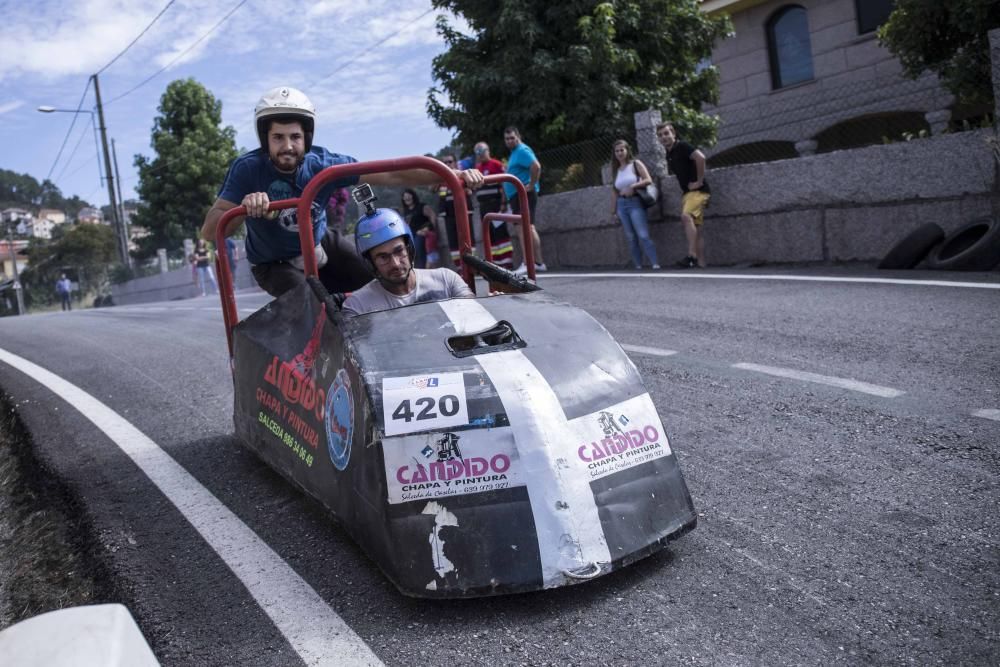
<point>512,468</point>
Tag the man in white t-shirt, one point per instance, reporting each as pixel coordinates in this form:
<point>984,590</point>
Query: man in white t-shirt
<point>385,243</point>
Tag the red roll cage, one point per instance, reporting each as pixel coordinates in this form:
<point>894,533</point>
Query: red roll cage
<point>303,206</point>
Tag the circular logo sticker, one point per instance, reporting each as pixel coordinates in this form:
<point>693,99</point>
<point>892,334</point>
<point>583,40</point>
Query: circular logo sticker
<point>340,420</point>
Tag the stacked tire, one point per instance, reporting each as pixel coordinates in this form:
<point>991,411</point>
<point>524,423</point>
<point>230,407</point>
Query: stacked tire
<point>975,246</point>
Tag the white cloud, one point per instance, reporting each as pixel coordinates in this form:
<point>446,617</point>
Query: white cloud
<point>10,106</point>
<point>373,104</point>
<point>58,38</point>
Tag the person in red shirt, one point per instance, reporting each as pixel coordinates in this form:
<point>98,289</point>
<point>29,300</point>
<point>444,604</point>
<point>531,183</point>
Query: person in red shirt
<point>491,200</point>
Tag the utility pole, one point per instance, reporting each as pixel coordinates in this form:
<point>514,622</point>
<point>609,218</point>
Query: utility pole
<point>121,204</point>
<point>122,249</point>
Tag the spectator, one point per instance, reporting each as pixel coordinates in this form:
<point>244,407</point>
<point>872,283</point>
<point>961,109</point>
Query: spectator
<point>432,254</point>
<point>629,175</point>
<point>420,218</point>
<point>446,207</point>
<point>525,166</point>
<point>492,200</point>
<point>687,163</point>
<point>64,288</point>
<point>203,260</point>
<point>231,254</point>
<point>336,210</point>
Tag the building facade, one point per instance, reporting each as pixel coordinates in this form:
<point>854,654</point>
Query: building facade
<point>53,214</point>
<point>90,215</point>
<point>809,76</point>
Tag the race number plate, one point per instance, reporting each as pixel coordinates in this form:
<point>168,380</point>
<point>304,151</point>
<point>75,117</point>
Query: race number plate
<point>423,403</point>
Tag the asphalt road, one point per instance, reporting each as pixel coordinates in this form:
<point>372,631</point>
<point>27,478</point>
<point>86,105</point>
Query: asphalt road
<point>841,441</point>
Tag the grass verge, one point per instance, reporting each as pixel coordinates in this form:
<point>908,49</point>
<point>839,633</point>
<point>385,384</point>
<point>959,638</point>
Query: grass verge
<point>47,555</point>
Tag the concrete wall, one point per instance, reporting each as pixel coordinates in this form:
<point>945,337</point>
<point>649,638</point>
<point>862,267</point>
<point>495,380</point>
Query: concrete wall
<point>172,285</point>
<point>840,206</point>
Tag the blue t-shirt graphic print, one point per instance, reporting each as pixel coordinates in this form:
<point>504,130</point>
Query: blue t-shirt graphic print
<point>278,240</point>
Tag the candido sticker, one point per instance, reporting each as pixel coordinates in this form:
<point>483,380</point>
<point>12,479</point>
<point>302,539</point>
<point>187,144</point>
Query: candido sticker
<point>423,403</point>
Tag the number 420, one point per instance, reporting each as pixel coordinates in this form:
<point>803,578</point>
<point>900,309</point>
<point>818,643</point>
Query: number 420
<point>447,405</point>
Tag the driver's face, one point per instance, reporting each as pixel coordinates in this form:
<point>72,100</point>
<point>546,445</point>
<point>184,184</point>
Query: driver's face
<point>392,261</point>
<point>286,144</point>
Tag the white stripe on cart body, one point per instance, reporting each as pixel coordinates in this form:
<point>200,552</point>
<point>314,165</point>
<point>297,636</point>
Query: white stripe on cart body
<point>567,521</point>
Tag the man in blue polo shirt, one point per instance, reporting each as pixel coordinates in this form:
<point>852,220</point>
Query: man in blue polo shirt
<point>523,164</point>
<point>280,169</point>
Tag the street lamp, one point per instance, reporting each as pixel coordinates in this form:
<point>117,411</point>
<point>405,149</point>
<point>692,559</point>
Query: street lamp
<point>119,225</point>
<point>48,109</point>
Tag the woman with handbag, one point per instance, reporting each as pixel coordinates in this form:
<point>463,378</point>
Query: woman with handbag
<point>631,178</point>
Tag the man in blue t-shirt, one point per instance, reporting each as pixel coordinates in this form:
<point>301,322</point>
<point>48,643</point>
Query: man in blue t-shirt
<point>523,164</point>
<point>280,169</point>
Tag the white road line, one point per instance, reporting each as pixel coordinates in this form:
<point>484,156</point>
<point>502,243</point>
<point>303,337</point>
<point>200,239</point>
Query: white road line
<point>988,414</point>
<point>654,351</point>
<point>843,383</point>
<point>314,630</point>
<point>741,276</point>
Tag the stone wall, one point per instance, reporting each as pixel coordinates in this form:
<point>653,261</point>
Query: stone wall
<point>841,206</point>
<point>853,77</point>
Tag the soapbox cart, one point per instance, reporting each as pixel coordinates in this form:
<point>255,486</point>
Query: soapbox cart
<point>472,447</point>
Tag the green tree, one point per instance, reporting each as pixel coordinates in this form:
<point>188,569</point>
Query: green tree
<point>948,38</point>
<point>83,252</point>
<point>193,152</point>
<point>565,72</point>
<point>22,190</point>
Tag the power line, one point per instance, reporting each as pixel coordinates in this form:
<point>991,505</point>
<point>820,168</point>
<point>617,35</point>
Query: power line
<point>66,138</point>
<point>365,51</point>
<point>155,19</point>
<point>181,55</point>
<point>72,153</point>
<point>93,192</point>
<point>81,166</point>
<point>342,66</point>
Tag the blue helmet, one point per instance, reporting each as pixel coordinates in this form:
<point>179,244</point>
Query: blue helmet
<point>379,226</point>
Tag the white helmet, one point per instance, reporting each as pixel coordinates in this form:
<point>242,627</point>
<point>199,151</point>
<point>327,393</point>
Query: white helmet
<point>285,103</point>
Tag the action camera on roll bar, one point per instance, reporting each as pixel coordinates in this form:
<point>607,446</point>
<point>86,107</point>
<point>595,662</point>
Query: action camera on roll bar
<point>363,194</point>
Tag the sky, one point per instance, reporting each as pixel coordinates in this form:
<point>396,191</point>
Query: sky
<point>370,96</point>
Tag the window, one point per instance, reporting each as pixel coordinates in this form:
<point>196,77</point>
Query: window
<point>788,47</point>
<point>872,13</point>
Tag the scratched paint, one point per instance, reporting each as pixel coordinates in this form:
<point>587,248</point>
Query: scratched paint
<point>442,518</point>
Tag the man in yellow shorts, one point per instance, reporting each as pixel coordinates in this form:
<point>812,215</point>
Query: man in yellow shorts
<point>687,163</point>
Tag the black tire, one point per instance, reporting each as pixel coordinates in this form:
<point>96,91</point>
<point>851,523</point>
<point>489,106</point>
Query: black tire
<point>974,246</point>
<point>913,247</point>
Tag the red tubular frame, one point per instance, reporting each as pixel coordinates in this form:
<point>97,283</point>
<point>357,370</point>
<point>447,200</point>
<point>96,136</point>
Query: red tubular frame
<point>523,218</point>
<point>303,206</point>
<point>227,293</point>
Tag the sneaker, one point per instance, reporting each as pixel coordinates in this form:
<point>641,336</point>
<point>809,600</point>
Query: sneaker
<point>521,270</point>
<point>541,267</point>
<point>655,267</point>
<point>688,262</point>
